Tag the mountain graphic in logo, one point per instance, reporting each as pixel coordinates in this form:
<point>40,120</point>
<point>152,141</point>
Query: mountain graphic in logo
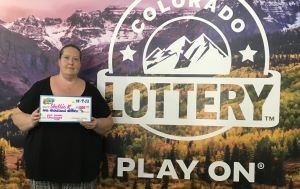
<point>201,56</point>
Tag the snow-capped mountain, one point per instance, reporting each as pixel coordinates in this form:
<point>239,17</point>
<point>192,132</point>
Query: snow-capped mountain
<point>201,56</point>
<point>31,27</point>
<point>31,43</point>
<point>276,15</point>
<point>81,27</point>
<point>281,13</point>
<point>93,28</point>
<point>86,29</point>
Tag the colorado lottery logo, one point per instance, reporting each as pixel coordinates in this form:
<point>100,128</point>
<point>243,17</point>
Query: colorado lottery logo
<point>184,65</point>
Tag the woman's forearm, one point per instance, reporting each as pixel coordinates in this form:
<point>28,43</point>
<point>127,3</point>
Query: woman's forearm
<point>22,120</point>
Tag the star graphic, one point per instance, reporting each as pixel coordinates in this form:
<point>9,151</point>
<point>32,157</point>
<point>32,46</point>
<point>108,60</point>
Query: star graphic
<point>128,53</point>
<point>248,54</point>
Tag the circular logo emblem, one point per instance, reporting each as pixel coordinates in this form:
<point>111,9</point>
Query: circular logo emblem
<point>175,69</point>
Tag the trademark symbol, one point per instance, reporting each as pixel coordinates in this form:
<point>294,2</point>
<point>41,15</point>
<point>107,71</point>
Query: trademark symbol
<point>269,118</point>
<point>260,165</point>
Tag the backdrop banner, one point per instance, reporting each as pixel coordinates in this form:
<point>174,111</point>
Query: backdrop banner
<point>204,94</point>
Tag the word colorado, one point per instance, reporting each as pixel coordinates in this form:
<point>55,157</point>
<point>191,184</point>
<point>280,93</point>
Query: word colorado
<point>225,13</point>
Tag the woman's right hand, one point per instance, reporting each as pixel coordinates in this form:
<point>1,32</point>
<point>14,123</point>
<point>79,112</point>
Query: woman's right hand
<point>25,121</point>
<point>35,116</point>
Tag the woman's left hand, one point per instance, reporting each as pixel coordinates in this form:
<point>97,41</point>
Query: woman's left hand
<point>90,124</point>
<point>99,125</point>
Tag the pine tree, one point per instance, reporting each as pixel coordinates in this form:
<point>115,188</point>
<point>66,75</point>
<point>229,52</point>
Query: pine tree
<point>148,184</point>
<point>134,185</point>
<point>235,157</point>
<point>224,135</point>
<point>3,168</point>
<point>263,154</point>
<point>295,148</point>
<point>104,168</point>
<point>206,165</point>
<point>193,181</point>
<point>172,155</point>
<point>165,182</point>
<point>227,155</point>
<point>279,175</point>
<point>114,173</point>
<point>291,184</point>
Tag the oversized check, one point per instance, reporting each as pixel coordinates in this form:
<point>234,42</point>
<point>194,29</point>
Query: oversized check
<point>65,108</point>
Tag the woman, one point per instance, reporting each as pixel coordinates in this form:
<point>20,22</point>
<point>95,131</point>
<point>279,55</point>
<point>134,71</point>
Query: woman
<point>60,154</point>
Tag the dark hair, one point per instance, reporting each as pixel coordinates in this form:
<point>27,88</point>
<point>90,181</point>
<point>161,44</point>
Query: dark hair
<point>69,45</point>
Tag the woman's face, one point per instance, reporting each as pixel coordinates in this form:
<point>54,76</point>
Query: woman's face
<point>69,62</point>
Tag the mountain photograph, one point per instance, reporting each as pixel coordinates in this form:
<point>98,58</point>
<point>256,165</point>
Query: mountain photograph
<point>29,47</point>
